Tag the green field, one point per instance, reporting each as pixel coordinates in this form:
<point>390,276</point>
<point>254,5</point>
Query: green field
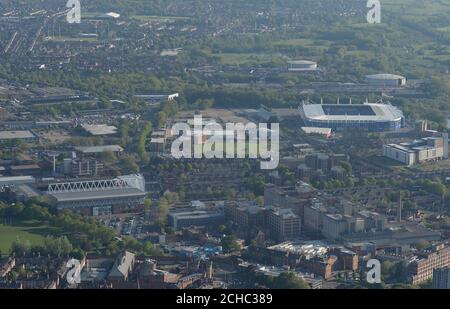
<point>25,231</point>
<point>245,58</point>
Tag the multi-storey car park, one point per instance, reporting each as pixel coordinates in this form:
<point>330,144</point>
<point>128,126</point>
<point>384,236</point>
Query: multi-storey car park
<point>374,117</point>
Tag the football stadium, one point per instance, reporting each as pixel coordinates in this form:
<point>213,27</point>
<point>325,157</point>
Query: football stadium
<point>373,117</point>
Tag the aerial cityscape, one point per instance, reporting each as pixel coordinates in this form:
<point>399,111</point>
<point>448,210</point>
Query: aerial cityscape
<point>224,145</point>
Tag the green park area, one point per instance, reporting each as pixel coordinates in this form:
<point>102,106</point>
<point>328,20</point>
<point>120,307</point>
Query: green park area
<point>28,231</point>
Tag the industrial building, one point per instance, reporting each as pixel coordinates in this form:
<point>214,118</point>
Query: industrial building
<point>418,151</point>
<point>386,80</point>
<point>374,117</point>
<point>302,66</point>
<point>100,196</point>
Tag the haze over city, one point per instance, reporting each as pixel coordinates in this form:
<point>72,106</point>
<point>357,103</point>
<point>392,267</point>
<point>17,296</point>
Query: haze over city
<point>254,145</point>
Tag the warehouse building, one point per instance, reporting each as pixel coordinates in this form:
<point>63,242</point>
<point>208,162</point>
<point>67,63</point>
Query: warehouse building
<point>302,66</point>
<point>386,80</point>
<point>95,150</point>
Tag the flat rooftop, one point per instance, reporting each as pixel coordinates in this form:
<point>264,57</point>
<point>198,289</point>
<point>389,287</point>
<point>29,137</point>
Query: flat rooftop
<point>314,130</point>
<point>99,129</point>
<point>312,248</point>
<point>158,140</point>
<point>8,135</point>
<point>16,180</point>
<point>25,167</point>
<point>99,149</point>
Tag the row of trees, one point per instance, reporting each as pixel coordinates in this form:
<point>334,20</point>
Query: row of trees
<point>52,246</point>
<point>142,142</point>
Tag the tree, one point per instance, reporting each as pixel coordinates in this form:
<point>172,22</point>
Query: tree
<point>204,103</point>
<point>172,197</point>
<point>229,244</point>
<point>386,270</point>
<point>347,167</point>
<point>289,280</point>
<point>222,229</point>
<point>130,163</point>
<point>21,247</point>
<point>125,132</point>
<point>161,119</point>
<point>422,245</point>
<point>163,210</point>
<point>147,204</point>
<point>57,246</point>
<point>143,155</point>
<point>108,156</point>
<point>260,200</point>
<point>230,193</point>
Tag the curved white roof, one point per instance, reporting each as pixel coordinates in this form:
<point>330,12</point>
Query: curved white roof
<point>385,76</point>
<point>301,62</point>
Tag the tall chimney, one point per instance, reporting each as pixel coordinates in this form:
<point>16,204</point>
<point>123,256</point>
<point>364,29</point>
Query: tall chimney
<point>399,208</point>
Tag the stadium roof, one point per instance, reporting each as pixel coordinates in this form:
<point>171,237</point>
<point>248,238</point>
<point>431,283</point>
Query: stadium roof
<point>374,112</point>
<point>121,187</point>
<point>97,195</point>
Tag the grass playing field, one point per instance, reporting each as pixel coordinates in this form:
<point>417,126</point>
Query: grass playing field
<point>25,231</point>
